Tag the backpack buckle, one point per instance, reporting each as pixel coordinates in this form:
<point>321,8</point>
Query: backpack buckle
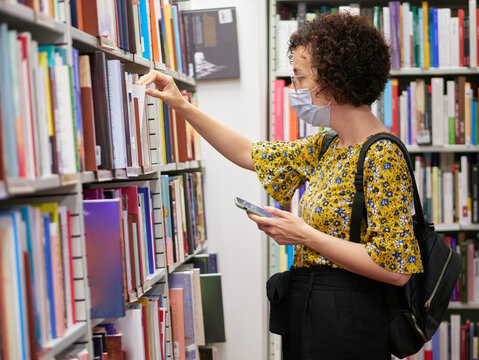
<point>358,182</point>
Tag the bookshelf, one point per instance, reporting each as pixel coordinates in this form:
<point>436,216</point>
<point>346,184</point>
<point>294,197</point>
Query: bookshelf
<point>67,190</point>
<point>451,64</point>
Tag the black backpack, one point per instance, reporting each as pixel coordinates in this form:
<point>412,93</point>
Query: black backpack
<point>418,307</point>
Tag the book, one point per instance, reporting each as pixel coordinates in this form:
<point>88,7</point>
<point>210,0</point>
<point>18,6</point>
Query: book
<point>177,322</point>
<point>212,300</point>
<point>101,107</point>
<point>217,60</point>
<point>103,231</point>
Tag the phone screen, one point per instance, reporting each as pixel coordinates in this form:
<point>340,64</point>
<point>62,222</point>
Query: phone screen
<point>243,204</point>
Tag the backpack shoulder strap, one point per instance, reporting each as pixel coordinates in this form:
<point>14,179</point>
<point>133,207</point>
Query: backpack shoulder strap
<point>328,138</point>
<point>359,206</point>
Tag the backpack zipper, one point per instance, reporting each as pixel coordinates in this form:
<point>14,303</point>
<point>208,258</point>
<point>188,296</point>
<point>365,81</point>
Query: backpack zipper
<point>427,305</point>
<point>418,329</point>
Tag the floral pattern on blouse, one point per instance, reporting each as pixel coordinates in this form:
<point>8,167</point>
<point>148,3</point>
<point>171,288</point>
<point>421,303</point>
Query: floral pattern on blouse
<point>283,167</point>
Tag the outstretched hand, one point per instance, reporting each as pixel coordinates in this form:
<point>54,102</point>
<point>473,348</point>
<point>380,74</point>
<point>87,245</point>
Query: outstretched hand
<point>285,228</point>
<point>166,88</point>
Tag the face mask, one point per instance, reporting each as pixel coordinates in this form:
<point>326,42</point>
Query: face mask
<point>302,104</point>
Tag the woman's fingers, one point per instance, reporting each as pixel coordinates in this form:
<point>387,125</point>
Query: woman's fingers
<point>160,79</point>
<point>155,93</point>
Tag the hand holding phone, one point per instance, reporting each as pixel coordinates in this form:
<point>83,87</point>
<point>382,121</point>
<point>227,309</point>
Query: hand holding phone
<point>253,209</point>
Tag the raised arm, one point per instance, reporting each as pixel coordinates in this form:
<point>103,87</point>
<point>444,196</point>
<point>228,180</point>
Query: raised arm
<point>232,145</point>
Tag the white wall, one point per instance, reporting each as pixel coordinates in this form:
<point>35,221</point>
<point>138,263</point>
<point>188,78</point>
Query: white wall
<point>240,104</point>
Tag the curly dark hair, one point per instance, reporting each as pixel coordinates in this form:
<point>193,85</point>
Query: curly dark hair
<point>351,57</point>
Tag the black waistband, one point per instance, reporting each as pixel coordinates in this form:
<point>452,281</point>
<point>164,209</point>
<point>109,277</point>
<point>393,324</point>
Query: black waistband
<point>329,276</point>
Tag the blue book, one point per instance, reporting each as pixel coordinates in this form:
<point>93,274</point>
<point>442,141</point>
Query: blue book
<point>290,253</point>
<point>25,214</point>
<point>395,34</point>
<point>436,37</point>
<point>7,106</point>
<point>388,116</point>
<point>168,145</point>
<point>144,29</point>
<point>184,280</point>
<point>179,50</point>
<point>103,233</point>
<point>47,250</point>
<point>435,345</point>
<point>144,193</point>
<point>213,262</point>
<point>431,37</point>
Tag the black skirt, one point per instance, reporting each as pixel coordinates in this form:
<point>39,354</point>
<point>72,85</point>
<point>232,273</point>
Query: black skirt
<point>333,314</point>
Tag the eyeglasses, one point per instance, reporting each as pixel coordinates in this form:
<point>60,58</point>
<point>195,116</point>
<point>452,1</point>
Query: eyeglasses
<point>293,81</point>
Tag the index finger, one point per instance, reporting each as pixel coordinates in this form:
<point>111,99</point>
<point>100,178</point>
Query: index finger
<point>260,220</point>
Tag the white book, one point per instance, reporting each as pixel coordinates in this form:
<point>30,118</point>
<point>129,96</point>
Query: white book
<point>44,154</point>
<point>154,328</point>
<point>131,329</point>
<point>418,174</point>
<point>64,118</point>
<point>444,340</point>
<point>454,42</point>
<point>455,337</point>
<point>131,119</point>
<point>437,85</point>
<point>285,114</point>
<point>179,221</point>
<point>67,275</point>
<point>115,95</point>
<point>12,295</point>
<point>198,306</point>
<point>405,32</point>
<point>387,25</point>
<point>476,280</point>
<point>444,16</point>
<point>295,203</point>
<point>472,33</point>
<point>39,278</point>
<point>126,237</point>
<point>448,194</point>
<point>284,30</point>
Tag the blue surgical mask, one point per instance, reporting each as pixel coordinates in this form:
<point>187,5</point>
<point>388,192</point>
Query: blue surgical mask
<point>302,104</point>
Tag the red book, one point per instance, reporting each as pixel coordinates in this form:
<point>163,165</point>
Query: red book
<point>460,15</point>
<point>278,109</point>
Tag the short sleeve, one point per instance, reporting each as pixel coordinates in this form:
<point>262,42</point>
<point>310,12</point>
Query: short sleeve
<point>282,167</point>
<point>390,239</point>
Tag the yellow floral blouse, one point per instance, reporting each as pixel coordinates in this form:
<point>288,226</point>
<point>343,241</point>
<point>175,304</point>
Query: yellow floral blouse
<point>283,167</point>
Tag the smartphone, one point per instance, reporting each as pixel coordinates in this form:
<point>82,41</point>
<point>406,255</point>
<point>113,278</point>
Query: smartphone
<point>253,209</point>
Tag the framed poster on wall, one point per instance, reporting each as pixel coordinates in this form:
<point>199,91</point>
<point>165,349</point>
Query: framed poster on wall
<point>212,43</point>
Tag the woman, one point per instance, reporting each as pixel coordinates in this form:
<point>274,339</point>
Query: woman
<point>335,303</point>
